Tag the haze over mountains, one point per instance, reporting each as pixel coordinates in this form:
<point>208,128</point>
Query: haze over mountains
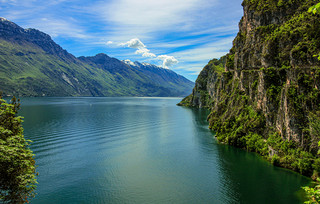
<point>32,64</point>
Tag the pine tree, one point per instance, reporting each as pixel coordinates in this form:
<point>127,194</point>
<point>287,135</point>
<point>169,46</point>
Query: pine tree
<point>17,164</point>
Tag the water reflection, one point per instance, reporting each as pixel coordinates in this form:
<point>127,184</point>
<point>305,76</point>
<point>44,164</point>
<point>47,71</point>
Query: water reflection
<point>245,177</point>
<point>142,150</point>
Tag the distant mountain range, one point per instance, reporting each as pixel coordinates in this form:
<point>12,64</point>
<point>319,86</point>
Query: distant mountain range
<point>32,64</point>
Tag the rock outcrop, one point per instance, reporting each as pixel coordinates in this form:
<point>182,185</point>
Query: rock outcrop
<point>268,100</point>
<point>275,33</point>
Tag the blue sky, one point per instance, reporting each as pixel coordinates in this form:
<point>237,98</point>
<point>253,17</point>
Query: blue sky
<point>182,35</point>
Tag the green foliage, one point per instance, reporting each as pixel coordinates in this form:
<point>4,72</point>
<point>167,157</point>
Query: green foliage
<point>237,126</point>
<point>313,194</point>
<point>274,82</point>
<point>230,61</point>
<point>291,37</point>
<point>318,56</point>
<point>275,160</point>
<point>301,95</point>
<point>217,65</point>
<point>289,155</point>
<point>314,121</point>
<point>283,32</point>
<point>264,6</point>
<point>256,143</point>
<point>200,94</point>
<point>315,9</point>
<point>17,165</point>
<point>187,101</point>
<point>237,120</point>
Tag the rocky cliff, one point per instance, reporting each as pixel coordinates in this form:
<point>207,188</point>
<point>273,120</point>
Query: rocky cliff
<point>267,99</point>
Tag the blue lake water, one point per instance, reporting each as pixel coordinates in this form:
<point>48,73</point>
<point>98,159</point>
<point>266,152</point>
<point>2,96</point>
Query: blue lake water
<point>143,150</point>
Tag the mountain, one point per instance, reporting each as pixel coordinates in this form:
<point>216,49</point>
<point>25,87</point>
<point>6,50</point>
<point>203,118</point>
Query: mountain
<point>161,76</point>
<point>264,94</point>
<point>32,64</point>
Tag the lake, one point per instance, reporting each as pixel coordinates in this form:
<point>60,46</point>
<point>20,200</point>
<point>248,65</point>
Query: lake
<point>143,150</point>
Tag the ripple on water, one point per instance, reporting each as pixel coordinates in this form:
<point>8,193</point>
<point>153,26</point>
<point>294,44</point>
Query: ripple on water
<point>142,150</point>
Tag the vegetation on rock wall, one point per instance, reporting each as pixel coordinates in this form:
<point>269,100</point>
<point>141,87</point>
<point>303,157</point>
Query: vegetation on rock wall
<point>200,96</point>
<point>313,194</point>
<point>276,33</point>
<point>241,118</point>
<point>268,99</point>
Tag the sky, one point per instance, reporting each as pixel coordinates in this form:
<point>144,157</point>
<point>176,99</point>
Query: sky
<point>181,35</point>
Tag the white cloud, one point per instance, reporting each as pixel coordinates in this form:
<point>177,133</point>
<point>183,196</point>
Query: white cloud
<point>135,43</point>
<point>145,52</point>
<point>142,50</point>
<point>167,60</point>
<point>109,42</point>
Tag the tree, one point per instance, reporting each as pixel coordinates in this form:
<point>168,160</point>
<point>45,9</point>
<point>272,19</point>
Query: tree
<point>17,165</point>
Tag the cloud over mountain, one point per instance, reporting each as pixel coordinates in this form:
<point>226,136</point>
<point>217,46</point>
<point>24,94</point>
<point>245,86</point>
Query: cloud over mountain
<point>135,43</point>
<point>168,60</point>
<point>145,52</point>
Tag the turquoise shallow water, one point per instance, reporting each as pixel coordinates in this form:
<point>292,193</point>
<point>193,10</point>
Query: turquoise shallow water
<point>143,150</point>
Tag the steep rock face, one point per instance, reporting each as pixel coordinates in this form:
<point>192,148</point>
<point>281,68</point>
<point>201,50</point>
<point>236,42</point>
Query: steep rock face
<point>205,87</point>
<point>283,97</point>
<point>273,34</point>
<point>268,100</point>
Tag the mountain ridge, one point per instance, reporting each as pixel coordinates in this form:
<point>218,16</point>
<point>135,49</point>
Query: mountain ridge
<point>32,64</point>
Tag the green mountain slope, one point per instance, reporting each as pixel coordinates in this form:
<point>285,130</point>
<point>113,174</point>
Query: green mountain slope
<point>163,77</point>
<point>31,64</point>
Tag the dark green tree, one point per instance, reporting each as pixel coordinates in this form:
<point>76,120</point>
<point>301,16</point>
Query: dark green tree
<point>17,165</point>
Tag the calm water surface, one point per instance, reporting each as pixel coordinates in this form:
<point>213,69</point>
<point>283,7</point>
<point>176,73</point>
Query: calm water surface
<point>143,150</point>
